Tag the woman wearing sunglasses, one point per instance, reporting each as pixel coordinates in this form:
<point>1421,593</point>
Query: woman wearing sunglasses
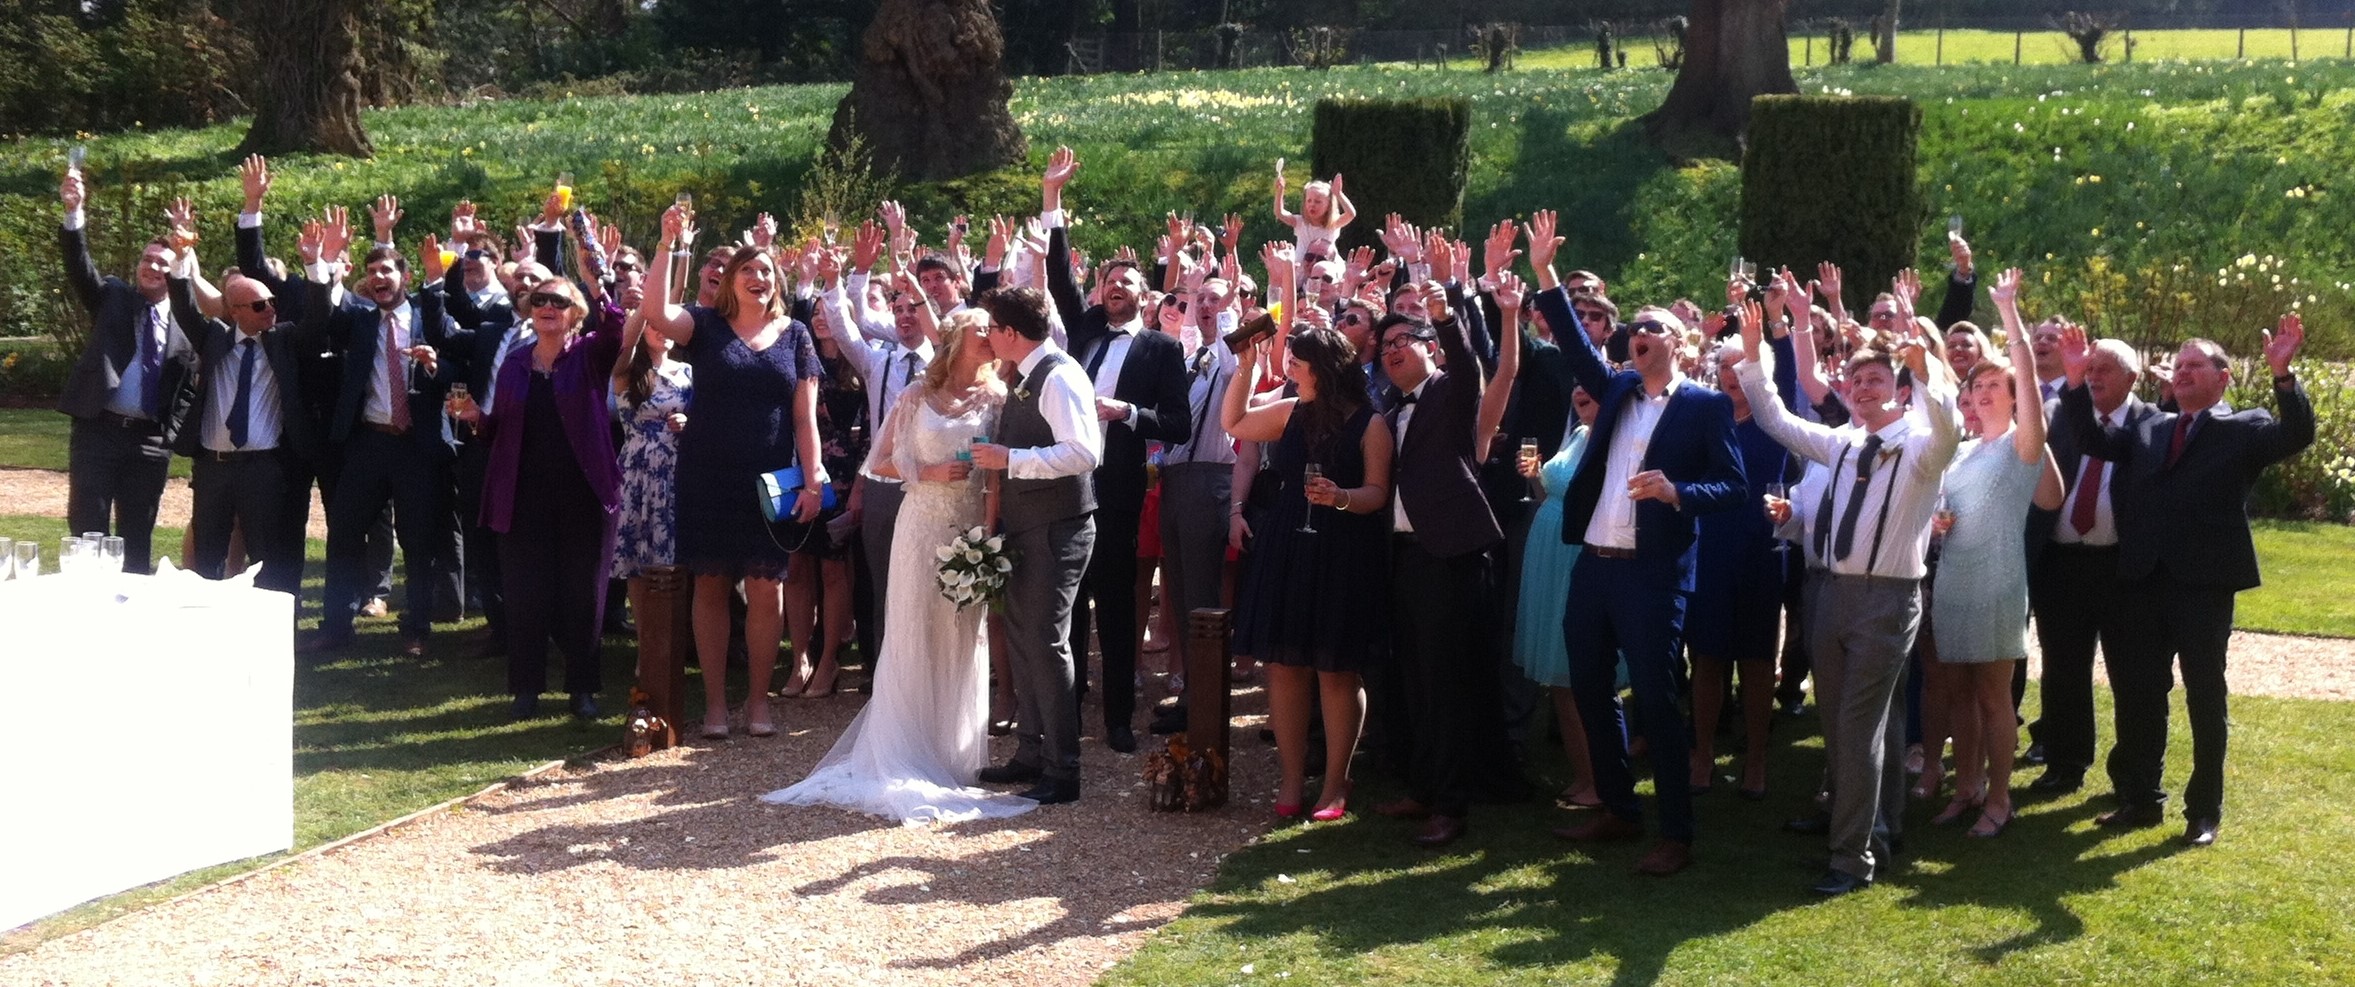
<point>552,490</point>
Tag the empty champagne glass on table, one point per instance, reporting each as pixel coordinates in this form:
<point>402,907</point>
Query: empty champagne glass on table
<point>28,559</point>
<point>7,559</point>
<point>110,553</point>
<point>1309,474</point>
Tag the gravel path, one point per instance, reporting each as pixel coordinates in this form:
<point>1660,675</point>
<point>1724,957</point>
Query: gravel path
<point>668,869</point>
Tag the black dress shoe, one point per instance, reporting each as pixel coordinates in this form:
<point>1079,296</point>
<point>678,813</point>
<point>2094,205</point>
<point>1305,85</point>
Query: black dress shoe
<point>2141,815</point>
<point>1001,728</point>
<point>1052,792</point>
<point>2035,754</point>
<point>1121,739</point>
<point>1167,721</point>
<point>1815,825</point>
<point>525,707</point>
<point>2057,780</point>
<point>584,706</point>
<point>1839,882</point>
<point>1439,831</point>
<point>1012,773</point>
<point>2200,831</point>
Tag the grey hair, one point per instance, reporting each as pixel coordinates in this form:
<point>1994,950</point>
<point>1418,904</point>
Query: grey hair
<point>2124,353</point>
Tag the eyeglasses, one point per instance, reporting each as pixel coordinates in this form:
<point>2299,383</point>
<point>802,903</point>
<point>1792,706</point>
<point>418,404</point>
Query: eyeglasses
<point>543,300</point>
<point>1353,319</point>
<point>1649,327</point>
<point>624,267</point>
<point>261,305</point>
<point>1593,315</point>
<point>1404,340</point>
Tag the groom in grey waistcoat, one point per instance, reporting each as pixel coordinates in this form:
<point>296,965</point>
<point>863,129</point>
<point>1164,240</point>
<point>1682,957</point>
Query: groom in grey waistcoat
<point>1048,445</point>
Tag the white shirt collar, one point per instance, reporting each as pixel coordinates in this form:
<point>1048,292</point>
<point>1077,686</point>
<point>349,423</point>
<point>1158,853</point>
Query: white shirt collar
<point>1030,363</point>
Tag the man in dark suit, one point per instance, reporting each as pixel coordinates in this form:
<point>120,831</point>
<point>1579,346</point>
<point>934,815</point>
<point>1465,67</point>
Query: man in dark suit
<point>1140,379</point>
<point>388,416</point>
<point>319,366</point>
<point>2073,582</point>
<point>128,394</point>
<point>249,434</point>
<point>1661,453</point>
<point>1444,653</point>
<point>2184,551</point>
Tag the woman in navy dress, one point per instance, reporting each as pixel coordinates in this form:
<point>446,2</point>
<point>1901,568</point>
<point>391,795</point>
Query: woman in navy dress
<point>756,407</point>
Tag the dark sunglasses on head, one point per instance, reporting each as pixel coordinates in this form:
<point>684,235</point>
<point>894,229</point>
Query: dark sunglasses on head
<point>1353,318</point>
<point>1593,315</point>
<point>545,300</point>
<point>261,305</point>
<point>1649,327</point>
<point>625,267</point>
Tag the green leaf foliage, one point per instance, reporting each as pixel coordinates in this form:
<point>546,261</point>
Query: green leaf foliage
<point>1832,178</point>
<point>1404,156</point>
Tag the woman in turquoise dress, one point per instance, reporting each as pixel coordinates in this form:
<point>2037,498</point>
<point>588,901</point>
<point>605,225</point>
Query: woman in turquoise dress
<point>1538,645</point>
<point>1980,613</point>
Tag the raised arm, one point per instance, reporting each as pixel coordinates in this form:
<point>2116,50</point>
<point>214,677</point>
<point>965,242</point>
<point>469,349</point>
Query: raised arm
<point>73,244</point>
<point>1264,423</point>
<point>1586,365</point>
<point>2294,430</point>
<point>664,315</point>
<point>1283,215</point>
<point>1510,293</point>
<point>1803,438</point>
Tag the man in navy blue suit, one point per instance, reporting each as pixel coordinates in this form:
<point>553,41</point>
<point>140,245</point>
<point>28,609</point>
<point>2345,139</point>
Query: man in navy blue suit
<point>1662,454</point>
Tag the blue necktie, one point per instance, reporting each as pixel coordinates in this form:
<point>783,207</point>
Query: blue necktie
<point>238,412</point>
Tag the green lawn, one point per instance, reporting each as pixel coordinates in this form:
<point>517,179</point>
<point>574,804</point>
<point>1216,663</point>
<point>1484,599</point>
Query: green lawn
<point>36,438</point>
<point>2053,901</point>
<point>1969,46</point>
<point>2302,562</point>
<point>376,735</point>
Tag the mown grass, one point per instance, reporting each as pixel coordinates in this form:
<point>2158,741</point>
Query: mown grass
<point>2303,563</point>
<point>2054,900</point>
<point>1968,46</point>
<point>377,735</point>
<point>35,438</point>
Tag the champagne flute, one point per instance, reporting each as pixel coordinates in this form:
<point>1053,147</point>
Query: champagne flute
<point>1528,466</point>
<point>7,559</point>
<point>1778,490</point>
<point>110,553</point>
<point>28,559</point>
<point>1309,473</point>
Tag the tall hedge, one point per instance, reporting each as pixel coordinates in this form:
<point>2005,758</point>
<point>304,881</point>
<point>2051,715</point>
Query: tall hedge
<point>1404,156</point>
<point>1832,178</point>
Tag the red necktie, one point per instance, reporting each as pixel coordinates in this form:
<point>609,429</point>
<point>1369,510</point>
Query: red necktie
<point>396,390</point>
<point>2088,492</point>
<point>2175,446</point>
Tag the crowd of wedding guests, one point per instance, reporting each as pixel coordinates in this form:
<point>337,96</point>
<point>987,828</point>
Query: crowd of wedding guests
<point>1452,490</point>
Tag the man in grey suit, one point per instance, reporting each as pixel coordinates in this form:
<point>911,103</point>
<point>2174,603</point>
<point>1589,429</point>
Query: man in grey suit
<point>1049,445</point>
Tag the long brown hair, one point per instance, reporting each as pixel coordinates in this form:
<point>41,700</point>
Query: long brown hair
<point>725,305</point>
<point>1340,382</point>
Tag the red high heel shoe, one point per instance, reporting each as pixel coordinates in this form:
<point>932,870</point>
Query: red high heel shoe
<point>1287,810</point>
<point>1332,812</point>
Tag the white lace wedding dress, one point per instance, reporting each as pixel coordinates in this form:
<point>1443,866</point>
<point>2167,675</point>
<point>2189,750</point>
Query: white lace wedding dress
<point>912,753</point>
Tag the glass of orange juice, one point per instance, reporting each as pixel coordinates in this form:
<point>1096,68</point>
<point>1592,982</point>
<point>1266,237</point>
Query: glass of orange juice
<point>564,188</point>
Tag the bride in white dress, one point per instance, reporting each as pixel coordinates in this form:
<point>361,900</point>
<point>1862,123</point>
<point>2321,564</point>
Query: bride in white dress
<point>912,753</point>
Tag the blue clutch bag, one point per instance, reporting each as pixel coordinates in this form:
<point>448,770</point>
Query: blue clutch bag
<point>779,487</point>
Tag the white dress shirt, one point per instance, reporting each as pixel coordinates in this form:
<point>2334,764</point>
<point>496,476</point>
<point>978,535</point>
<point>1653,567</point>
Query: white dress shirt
<point>1212,369</point>
<point>1065,401</point>
<point>1902,488</point>
<point>261,402</point>
<point>153,321</point>
<point>1613,523</point>
<point>402,321</point>
<point>1406,417</point>
<point>518,335</point>
<point>2105,523</point>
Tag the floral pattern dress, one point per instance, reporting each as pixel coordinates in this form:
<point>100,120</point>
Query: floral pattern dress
<point>648,534</point>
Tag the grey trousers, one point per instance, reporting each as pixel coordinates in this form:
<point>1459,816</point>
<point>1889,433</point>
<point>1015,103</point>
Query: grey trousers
<point>879,507</point>
<point>1049,561</point>
<point>1859,632</point>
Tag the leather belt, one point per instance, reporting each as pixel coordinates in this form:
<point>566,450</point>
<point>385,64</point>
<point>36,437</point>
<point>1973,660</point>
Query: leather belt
<point>128,422</point>
<point>231,456</point>
<point>386,429</point>
<point>1608,552</point>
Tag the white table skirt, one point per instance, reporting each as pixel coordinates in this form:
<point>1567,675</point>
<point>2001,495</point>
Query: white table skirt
<point>151,733</point>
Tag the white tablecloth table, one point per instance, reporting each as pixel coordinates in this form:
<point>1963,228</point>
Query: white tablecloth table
<point>150,733</point>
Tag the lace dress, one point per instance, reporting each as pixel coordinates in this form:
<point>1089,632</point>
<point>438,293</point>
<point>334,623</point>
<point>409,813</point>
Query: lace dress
<point>649,465</point>
<point>912,753</point>
<point>1979,612</point>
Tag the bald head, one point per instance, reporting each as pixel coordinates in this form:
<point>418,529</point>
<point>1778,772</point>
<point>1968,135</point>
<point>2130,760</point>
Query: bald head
<point>242,296</point>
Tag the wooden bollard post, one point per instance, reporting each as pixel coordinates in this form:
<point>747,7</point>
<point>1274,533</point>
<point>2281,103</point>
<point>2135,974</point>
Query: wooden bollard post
<point>663,636</point>
<point>1209,701</point>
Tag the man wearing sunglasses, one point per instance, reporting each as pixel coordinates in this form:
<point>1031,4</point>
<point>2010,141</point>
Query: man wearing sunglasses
<point>1661,454</point>
<point>252,434</point>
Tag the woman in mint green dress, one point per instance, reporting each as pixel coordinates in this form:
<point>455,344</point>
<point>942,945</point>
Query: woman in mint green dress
<point>1538,645</point>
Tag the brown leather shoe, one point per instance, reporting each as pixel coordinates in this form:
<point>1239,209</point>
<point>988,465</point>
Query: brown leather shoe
<point>1667,858</point>
<point>1403,809</point>
<point>1605,827</point>
<point>1440,831</point>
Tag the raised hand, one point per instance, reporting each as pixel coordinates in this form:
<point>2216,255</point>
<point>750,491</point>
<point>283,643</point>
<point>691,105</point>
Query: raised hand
<point>1434,298</point>
<point>1827,284</point>
<point>463,224</point>
<point>1126,253</point>
<point>1510,291</point>
<point>1001,237</point>
<point>429,257</point>
<point>1230,233</point>
<point>1907,286</point>
<point>254,174</point>
<point>335,232</point>
<point>1960,250</point>
<point>1542,241</point>
<point>72,191</point>
<point>674,220</point>
<point>865,246</point>
<point>1497,251</point>
<point>763,233</point>
<point>181,217</point>
<point>2076,352</point>
<point>1360,262</point>
<point>608,237</point>
<point>1061,165</point>
<point>2006,293</point>
<point>1753,328</point>
<point>551,209</point>
<point>385,214</point>
<point>895,216</point>
<point>307,245</point>
<point>2281,345</point>
<point>1436,247</point>
<point>1279,176</point>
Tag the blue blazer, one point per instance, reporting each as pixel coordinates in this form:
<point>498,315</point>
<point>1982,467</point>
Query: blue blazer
<point>1693,444</point>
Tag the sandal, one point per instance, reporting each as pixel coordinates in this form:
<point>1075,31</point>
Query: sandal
<point>1988,827</point>
<point>1959,807</point>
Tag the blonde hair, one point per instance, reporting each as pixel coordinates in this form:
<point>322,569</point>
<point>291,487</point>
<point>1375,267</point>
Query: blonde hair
<point>954,337</point>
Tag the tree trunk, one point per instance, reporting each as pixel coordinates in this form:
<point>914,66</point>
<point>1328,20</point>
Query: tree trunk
<point>309,96</point>
<point>1734,50</point>
<point>931,90</point>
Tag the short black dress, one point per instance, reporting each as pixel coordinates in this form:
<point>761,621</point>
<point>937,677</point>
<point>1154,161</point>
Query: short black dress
<point>1316,600</point>
<point>742,427</point>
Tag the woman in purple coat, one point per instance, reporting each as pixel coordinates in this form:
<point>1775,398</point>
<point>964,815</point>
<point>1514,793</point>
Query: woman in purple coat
<point>552,490</point>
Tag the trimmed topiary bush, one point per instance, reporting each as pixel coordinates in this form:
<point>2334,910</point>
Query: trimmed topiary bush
<point>1832,178</point>
<point>1404,156</point>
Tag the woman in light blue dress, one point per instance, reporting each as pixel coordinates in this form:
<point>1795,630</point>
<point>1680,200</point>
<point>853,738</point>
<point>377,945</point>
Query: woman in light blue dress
<point>1980,612</point>
<point>650,396</point>
<point>1538,645</point>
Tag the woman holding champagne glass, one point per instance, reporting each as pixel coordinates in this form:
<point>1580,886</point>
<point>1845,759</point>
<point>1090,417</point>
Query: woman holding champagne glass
<point>1303,610</point>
